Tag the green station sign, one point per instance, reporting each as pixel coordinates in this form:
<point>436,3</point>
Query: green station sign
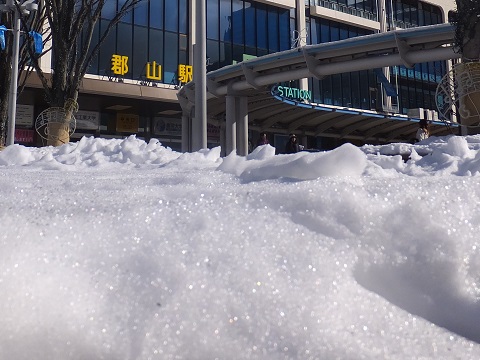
<point>292,93</point>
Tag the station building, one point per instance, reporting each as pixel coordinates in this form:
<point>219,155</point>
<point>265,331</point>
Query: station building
<point>132,86</point>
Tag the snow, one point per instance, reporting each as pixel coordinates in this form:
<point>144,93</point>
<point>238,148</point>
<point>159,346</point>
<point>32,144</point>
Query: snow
<point>119,249</point>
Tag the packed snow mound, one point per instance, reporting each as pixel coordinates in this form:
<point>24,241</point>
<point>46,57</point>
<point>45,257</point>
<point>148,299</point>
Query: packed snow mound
<point>126,250</point>
<point>451,155</point>
<point>347,160</point>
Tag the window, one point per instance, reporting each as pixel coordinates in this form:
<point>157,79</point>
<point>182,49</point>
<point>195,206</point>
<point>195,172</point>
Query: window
<point>156,14</point>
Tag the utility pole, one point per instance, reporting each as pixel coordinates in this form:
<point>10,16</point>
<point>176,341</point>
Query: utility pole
<point>199,126</point>
<point>19,9</point>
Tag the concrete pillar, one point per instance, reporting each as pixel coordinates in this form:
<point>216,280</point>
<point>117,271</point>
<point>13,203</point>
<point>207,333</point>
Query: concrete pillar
<point>199,128</point>
<point>302,30</point>
<point>382,18</point>
<point>231,125</point>
<point>186,122</point>
<point>223,143</point>
<point>241,111</point>
<point>304,141</point>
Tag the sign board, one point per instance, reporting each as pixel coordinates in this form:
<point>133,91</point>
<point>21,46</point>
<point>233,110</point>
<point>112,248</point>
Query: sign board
<point>167,126</point>
<point>213,132</point>
<point>127,122</point>
<point>24,115</point>
<point>24,135</point>
<point>87,120</point>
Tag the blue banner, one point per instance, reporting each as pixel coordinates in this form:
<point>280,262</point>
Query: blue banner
<point>389,89</point>
<point>37,41</point>
<point>2,36</point>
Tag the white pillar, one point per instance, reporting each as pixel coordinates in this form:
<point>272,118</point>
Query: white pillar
<point>231,125</point>
<point>382,18</point>
<point>199,128</point>
<point>185,132</point>
<point>302,31</point>
<point>241,112</point>
<point>12,100</point>
<point>223,143</point>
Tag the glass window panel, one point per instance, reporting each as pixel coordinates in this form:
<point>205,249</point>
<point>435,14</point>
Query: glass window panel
<point>183,42</point>
<point>213,54</point>
<point>334,32</point>
<point>312,31</point>
<point>156,14</point>
<point>421,17</point>
<point>364,91</point>
<point>212,19</point>
<point>140,13</point>
<point>237,25</point>
<point>355,90</point>
<point>171,15</point>
<point>413,15</point>
<point>140,51</point>
<point>124,44</point>
<point>325,31</point>
<point>273,31</point>
<point>183,16</point>
<point>261,52</point>
<point>250,50</point>
<point>326,85</point>
<point>93,68</point>
<point>261,26</point>
<point>155,52</point>
<point>343,32</point>
<point>109,9</point>
<point>128,16</point>
<point>170,62</point>
<point>368,5</point>
<point>250,29</point>
<point>226,54</point>
<point>428,18</point>
<point>284,26</point>
<point>346,89</point>
<point>238,53</point>
<point>106,50</point>
<point>225,14</point>
<point>182,57</point>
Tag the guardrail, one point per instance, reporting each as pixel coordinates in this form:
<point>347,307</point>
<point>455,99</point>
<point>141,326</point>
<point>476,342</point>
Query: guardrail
<point>346,9</point>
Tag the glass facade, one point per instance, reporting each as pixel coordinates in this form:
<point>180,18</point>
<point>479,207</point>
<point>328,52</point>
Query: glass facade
<point>415,87</point>
<point>411,13</point>
<point>156,30</point>
<point>363,8</point>
<point>238,30</point>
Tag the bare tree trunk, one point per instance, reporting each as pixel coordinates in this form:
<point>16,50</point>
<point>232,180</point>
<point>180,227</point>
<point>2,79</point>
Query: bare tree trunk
<point>467,40</point>
<point>4,94</point>
<point>59,131</point>
<point>6,76</point>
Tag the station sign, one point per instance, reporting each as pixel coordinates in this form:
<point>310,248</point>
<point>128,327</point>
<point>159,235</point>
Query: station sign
<point>292,93</point>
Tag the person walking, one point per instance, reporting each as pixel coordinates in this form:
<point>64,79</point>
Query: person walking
<point>292,145</point>
<point>263,140</point>
<point>423,131</point>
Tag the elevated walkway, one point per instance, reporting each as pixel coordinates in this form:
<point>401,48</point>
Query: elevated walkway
<point>251,81</point>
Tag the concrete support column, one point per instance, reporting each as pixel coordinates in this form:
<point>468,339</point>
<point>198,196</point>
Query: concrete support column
<point>304,141</point>
<point>199,128</point>
<point>302,31</point>
<point>382,18</point>
<point>186,122</point>
<point>241,111</point>
<point>231,125</point>
<point>223,143</point>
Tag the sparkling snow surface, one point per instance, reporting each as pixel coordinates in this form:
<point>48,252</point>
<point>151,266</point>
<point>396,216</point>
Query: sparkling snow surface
<point>123,250</point>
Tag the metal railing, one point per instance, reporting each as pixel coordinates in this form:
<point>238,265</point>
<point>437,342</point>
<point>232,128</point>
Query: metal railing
<point>346,9</point>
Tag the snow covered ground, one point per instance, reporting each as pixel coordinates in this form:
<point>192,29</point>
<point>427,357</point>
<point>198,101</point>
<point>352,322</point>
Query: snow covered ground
<point>123,250</point>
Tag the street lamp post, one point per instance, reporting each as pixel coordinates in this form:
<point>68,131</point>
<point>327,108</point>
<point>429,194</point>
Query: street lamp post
<point>18,9</point>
